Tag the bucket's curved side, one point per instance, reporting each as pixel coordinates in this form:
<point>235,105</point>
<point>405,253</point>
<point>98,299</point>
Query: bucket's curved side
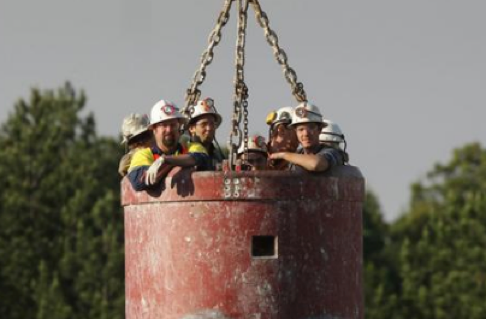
<point>188,258</point>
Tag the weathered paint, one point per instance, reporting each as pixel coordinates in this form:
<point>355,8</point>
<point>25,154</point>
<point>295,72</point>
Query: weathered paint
<point>188,246</point>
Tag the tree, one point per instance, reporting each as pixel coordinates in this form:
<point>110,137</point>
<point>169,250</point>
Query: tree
<point>61,240</point>
<point>442,239</point>
<point>380,274</point>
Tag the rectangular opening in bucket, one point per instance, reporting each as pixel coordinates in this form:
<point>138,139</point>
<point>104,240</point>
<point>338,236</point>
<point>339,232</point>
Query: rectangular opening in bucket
<point>264,247</point>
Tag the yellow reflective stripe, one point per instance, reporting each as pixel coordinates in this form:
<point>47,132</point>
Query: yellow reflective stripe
<point>142,157</point>
<point>197,148</point>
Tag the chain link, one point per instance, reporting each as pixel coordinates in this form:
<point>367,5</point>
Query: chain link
<point>240,96</point>
<point>241,90</point>
<point>193,93</point>
<point>279,53</point>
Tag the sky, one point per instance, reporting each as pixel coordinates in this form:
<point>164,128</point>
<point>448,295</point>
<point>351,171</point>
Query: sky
<point>405,80</point>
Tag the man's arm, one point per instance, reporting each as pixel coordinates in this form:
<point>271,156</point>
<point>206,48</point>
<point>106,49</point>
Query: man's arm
<point>310,162</point>
<point>185,160</point>
<point>200,160</point>
<point>137,178</point>
<point>322,161</point>
<point>140,163</point>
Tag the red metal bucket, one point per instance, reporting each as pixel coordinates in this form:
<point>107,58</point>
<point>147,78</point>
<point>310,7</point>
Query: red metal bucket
<point>266,245</point>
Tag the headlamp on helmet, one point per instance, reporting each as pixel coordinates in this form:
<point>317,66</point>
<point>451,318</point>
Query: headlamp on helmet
<point>306,113</point>
<point>163,111</point>
<point>168,109</point>
<point>282,115</point>
<point>271,117</point>
<point>301,112</point>
<point>204,107</point>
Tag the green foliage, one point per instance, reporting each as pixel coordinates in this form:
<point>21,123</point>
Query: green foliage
<point>430,263</point>
<point>61,240</point>
<point>61,234</point>
<point>380,275</point>
<point>441,241</point>
<point>375,230</point>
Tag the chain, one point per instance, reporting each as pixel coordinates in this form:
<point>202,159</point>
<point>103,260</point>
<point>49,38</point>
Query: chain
<point>240,97</point>
<point>193,93</point>
<point>241,90</point>
<point>279,53</point>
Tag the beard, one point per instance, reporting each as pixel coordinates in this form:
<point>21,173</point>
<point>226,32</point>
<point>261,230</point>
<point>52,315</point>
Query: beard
<point>169,141</point>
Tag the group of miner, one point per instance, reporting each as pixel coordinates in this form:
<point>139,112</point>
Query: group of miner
<point>299,140</point>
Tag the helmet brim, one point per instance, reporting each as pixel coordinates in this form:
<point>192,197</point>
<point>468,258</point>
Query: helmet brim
<point>182,121</point>
<point>320,123</point>
<point>217,119</point>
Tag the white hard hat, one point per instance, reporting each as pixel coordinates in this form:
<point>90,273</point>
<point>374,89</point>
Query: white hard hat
<point>256,143</point>
<point>306,113</point>
<point>163,111</point>
<point>134,125</point>
<point>282,115</point>
<point>204,107</point>
<point>331,133</point>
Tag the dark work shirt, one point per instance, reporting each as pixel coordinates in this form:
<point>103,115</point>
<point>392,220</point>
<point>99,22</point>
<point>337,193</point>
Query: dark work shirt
<point>333,156</point>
